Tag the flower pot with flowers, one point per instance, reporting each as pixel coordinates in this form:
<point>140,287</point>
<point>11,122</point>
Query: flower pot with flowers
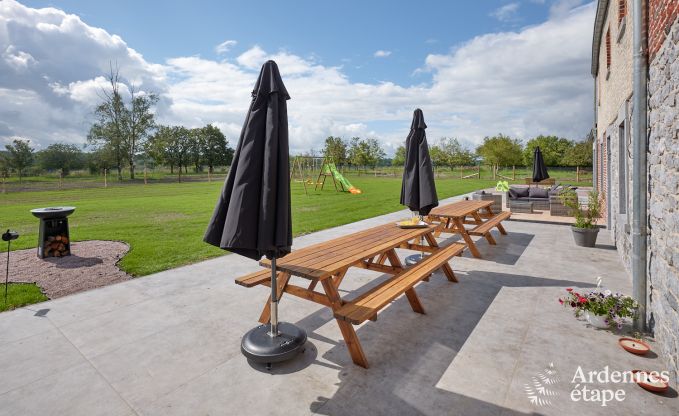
<point>602,308</point>
<point>584,230</point>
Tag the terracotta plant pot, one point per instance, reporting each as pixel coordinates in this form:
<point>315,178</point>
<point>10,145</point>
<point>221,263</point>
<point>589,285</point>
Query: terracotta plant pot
<point>585,237</point>
<point>635,346</point>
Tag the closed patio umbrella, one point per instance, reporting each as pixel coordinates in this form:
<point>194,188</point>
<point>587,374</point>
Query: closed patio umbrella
<point>418,189</point>
<point>539,168</point>
<point>253,216</point>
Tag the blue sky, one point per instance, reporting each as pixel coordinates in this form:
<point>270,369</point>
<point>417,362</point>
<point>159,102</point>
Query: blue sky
<point>476,68</point>
<point>335,33</point>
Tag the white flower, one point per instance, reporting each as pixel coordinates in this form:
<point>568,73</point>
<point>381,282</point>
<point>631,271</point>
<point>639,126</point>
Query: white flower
<point>607,292</point>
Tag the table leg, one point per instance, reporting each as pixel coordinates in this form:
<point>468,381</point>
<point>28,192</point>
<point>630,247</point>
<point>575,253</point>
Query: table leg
<point>348,333</point>
<point>487,235</point>
<point>500,227</point>
<point>414,301</point>
<point>447,270</point>
<point>282,282</point>
<point>467,239</point>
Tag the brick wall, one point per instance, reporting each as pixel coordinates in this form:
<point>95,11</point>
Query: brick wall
<point>661,16</point>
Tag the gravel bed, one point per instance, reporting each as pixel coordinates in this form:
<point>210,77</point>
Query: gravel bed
<point>91,264</point>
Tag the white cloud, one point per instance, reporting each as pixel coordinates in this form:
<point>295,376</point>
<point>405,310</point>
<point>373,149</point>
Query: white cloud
<point>381,54</point>
<point>506,13</point>
<point>521,83</point>
<point>225,46</point>
<point>561,8</point>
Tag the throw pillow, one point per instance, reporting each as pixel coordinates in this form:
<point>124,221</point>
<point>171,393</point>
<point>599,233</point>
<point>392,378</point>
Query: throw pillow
<point>536,192</point>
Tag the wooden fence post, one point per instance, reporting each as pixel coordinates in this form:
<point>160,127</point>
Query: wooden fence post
<point>577,174</point>
<point>61,180</point>
<point>105,178</point>
<point>145,183</point>
<point>478,168</point>
<point>514,172</point>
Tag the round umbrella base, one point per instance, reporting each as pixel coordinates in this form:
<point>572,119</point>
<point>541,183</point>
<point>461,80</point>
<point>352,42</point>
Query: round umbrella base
<point>414,259</point>
<point>260,347</point>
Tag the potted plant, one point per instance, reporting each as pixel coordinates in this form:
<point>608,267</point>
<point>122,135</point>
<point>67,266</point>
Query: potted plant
<point>585,229</point>
<point>602,308</point>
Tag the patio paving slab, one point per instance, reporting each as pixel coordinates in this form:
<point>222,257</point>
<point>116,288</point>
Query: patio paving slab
<point>168,344</point>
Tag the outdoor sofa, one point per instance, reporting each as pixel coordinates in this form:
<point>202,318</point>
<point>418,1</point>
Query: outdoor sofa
<point>542,198</point>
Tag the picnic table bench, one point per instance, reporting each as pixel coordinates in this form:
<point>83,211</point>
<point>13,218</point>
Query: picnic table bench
<point>453,218</point>
<point>327,263</point>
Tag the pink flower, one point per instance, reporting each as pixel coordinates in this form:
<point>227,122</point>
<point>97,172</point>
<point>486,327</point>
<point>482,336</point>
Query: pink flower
<point>570,289</point>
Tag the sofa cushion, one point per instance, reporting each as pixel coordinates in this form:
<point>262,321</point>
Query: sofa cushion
<point>515,193</point>
<point>536,192</point>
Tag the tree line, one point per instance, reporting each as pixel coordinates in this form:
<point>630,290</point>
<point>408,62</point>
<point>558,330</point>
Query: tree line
<point>123,133</point>
<point>496,151</point>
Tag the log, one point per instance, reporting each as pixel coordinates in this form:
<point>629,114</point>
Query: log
<point>50,238</point>
<point>64,239</point>
<point>58,238</point>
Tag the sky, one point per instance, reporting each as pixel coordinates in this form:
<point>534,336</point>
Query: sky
<point>352,68</point>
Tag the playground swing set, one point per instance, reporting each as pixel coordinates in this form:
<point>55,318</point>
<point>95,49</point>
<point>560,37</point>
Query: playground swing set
<point>304,168</point>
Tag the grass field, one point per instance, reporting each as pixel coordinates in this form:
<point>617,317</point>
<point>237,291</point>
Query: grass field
<point>20,294</point>
<point>164,223</point>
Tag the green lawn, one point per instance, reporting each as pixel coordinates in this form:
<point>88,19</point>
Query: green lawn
<point>164,223</point>
<point>20,294</point>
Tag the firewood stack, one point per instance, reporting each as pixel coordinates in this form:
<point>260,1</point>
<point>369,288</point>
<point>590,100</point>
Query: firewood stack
<point>57,246</point>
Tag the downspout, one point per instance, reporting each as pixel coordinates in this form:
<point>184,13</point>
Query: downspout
<point>595,133</point>
<point>639,167</point>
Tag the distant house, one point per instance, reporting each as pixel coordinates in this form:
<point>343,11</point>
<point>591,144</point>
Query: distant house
<point>648,240</point>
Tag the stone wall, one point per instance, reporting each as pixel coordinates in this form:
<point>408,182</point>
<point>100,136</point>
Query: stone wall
<point>663,162</point>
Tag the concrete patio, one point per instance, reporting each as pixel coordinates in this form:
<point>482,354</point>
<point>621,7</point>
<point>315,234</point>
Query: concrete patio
<point>168,344</point>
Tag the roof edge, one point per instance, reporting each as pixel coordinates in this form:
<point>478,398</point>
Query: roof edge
<point>601,8</point>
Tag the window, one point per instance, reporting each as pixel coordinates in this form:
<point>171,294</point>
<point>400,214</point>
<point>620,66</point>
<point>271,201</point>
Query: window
<point>608,49</point>
<point>622,9</point>
<point>622,168</point>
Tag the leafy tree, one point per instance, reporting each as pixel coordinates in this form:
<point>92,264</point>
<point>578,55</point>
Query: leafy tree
<point>62,156</point>
<point>122,128</point>
<point>399,157</point>
<point>216,150</point>
<point>553,149</point>
<point>171,145</point>
<point>455,153</point>
<point>138,122</point>
<point>195,148</point>
<point>19,156</point>
<point>99,160</point>
<point>335,149</point>
<point>500,150</point>
<point>365,152</point>
<point>580,153</point>
<point>438,156</point>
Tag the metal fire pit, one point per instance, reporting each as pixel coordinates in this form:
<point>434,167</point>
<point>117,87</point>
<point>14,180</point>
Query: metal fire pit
<point>54,239</point>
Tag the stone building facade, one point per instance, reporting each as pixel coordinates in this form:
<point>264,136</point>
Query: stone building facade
<point>612,59</point>
<point>663,178</point>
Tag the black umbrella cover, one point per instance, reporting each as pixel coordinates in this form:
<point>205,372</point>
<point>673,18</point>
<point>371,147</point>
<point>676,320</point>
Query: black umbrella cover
<point>253,216</point>
<point>418,190</point>
<point>539,168</point>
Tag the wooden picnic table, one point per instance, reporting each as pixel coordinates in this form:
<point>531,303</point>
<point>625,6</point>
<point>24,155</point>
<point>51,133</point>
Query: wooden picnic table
<point>453,218</point>
<point>327,263</point>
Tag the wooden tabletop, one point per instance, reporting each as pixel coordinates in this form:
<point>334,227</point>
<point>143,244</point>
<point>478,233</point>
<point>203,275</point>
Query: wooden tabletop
<point>460,209</point>
<point>323,260</point>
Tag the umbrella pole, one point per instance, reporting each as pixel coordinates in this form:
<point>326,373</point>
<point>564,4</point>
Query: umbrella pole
<point>273,331</point>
